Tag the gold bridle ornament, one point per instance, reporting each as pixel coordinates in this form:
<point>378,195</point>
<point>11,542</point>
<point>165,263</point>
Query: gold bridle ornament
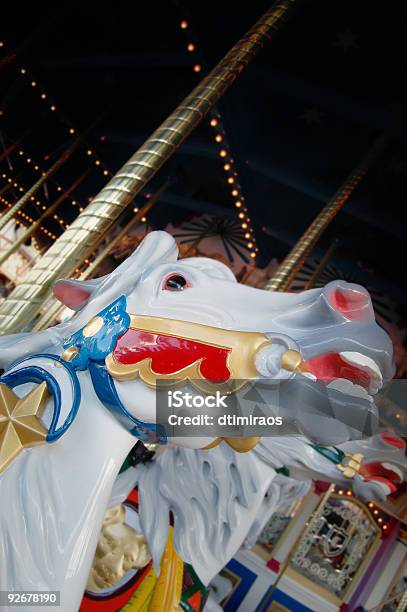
<point>241,348</point>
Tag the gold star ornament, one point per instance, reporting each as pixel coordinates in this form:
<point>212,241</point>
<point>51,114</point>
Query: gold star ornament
<point>20,425</point>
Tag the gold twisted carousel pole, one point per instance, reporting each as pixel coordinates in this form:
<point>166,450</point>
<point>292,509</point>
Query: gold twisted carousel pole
<point>5,218</point>
<point>36,224</point>
<point>72,247</point>
<point>56,308</point>
<point>312,281</point>
<point>285,273</point>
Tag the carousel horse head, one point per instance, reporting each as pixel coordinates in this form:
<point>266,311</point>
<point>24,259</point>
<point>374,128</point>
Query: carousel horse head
<point>158,318</point>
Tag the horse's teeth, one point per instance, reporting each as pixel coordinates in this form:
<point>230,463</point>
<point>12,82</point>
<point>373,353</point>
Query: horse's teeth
<point>394,468</point>
<point>362,361</point>
<point>368,365</point>
<point>346,386</point>
<point>309,375</point>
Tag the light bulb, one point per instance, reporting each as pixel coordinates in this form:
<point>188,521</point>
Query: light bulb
<point>184,24</point>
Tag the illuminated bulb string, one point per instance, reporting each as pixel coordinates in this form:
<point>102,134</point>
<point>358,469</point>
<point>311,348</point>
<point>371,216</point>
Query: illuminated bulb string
<point>224,152</point>
<point>38,203</point>
<point>33,239</point>
<point>32,82</point>
<point>36,167</point>
<point>378,516</point>
<point>24,215</point>
<point>53,107</point>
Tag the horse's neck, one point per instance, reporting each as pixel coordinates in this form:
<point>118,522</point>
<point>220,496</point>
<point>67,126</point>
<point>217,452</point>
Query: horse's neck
<point>57,496</point>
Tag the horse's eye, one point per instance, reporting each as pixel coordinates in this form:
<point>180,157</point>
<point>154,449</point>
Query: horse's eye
<point>175,282</point>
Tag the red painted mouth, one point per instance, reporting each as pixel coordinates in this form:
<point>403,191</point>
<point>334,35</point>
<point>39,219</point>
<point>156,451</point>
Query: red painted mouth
<point>381,472</point>
<point>170,354</point>
<point>327,368</point>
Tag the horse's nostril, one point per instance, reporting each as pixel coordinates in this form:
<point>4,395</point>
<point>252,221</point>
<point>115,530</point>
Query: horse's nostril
<point>353,303</point>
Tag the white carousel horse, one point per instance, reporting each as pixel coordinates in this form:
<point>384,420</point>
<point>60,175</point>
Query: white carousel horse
<point>87,393</point>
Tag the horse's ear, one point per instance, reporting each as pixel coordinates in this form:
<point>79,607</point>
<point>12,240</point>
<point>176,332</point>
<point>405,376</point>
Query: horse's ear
<point>74,294</point>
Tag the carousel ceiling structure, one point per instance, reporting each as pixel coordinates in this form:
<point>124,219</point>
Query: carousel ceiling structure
<point>280,143</point>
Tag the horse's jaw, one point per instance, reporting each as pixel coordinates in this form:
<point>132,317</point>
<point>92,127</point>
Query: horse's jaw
<point>58,494</point>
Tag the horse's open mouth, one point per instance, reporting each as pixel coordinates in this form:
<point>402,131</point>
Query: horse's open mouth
<point>350,373</point>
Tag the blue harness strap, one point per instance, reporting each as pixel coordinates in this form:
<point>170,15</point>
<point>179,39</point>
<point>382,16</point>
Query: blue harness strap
<point>37,374</point>
<point>105,389</point>
<point>92,350</point>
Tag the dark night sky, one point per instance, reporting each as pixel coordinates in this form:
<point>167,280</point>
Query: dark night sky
<point>297,121</point>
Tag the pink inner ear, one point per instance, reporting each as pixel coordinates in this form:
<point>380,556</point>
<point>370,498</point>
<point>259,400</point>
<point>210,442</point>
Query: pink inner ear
<point>70,295</point>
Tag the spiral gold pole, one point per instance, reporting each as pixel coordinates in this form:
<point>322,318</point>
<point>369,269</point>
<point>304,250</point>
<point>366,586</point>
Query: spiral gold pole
<point>402,606</point>
<point>312,281</point>
<point>55,308</point>
<point>34,226</point>
<point>68,252</point>
<point>5,218</point>
<point>294,261</point>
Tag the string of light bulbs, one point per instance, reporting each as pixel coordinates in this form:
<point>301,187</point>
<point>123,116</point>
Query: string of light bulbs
<point>24,215</point>
<point>22,224</point>
<point>37,202</point>
<point>380,517</point>
<point>225,155</point>
<point>33,83</point>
